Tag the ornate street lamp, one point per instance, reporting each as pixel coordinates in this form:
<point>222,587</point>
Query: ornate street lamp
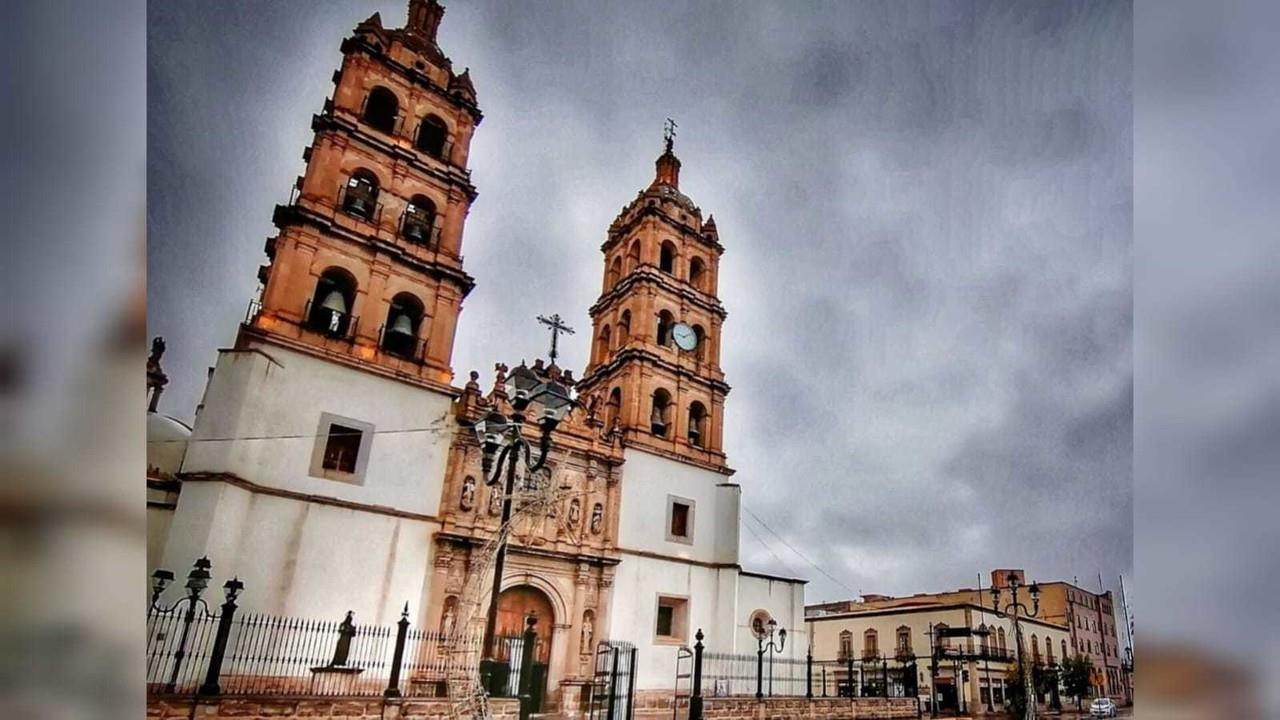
<point>504,446</point>
<point>773,646</point>
<point>1012,609</point>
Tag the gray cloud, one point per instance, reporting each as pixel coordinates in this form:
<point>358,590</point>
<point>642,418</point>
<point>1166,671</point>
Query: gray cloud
<point>926,209</point>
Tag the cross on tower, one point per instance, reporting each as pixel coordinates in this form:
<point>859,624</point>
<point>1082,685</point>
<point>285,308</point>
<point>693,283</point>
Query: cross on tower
<point>669,133</point>
<point>557,326</point>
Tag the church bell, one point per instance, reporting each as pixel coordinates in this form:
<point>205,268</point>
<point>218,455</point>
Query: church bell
<point>402,325</point>
<point>335,302</point>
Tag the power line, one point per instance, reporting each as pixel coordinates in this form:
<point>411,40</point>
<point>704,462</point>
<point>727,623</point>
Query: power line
<point>760,540</point>
<point>804,557</point>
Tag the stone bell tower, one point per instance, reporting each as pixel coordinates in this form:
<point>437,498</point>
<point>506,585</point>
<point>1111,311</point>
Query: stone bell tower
<point>367,266</point>
<point>655,352</point>
<point>321,450</point>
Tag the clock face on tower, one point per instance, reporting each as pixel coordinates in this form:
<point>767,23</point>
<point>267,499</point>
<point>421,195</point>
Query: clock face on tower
<point>686,339</point>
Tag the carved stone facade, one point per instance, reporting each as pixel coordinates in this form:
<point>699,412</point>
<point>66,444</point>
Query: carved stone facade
<point>558,553</point>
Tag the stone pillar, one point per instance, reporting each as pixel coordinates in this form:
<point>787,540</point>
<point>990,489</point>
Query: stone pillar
<point>371,305</point>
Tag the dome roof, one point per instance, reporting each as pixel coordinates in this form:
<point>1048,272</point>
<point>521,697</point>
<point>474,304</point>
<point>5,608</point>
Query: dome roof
<point>167,439</point>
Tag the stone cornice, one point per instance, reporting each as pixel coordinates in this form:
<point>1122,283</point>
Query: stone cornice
<point>648,274</point>
<point>643,355</point>
<point>250,332</point>
<point>300,214</point>
<point>331,120</point>
<point>357,43</point>
<point>237,481</point>
<point>602,560</point>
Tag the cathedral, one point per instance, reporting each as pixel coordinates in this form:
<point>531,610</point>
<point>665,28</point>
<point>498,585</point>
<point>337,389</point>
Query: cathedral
<point>332,465</point>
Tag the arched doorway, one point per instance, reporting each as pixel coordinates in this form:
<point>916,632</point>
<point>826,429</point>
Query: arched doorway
<point>516,604</point>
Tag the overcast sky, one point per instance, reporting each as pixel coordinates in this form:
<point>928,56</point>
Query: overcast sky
<point>926,210</point>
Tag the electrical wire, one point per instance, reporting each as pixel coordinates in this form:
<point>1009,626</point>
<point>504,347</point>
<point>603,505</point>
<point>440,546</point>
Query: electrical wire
<point>802,556</point>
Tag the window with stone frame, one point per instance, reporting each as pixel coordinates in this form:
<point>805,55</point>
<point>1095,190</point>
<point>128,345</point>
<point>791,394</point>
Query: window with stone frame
<point>680,518</point>
<point>341,450</point>
<point>846,645</point>
<point>671,625</point>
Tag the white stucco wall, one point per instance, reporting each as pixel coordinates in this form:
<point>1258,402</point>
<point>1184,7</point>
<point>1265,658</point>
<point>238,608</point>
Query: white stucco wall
<point>250,396</point>
<point>648,480</point>
<point>297,556</point>
<point>784,601</point>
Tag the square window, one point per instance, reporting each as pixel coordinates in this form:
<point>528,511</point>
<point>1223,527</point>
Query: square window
<point>671,620</point>
<point>666,620</point>
<point>680,518</point>
<point>341,450</point>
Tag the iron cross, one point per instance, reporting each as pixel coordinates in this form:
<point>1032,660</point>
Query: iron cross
<point>669,133</point>
<point>557,326</point>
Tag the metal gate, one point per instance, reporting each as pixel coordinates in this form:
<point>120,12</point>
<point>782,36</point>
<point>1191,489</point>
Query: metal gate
<point>613,687</point>
<point>684,671</point>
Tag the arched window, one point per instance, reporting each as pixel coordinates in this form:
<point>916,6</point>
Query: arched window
<point>381,109</point>
<point>419,219</point>
<point>633,256</point>
<point>846,644</point>
<point>330,309</point>
<point>667,258</point>
<point>665,321</point>
<point>697,273</point>
<point>939,639</point>
<point>984,635</point>
<point>612,277</point>
<point>602,347</point>
<point>870,644</point>
<point>697,424</point>
<point>1064,650</point>
<point>903,647</point>
<point>1048,651</point>
<point>613,409</point>
<point>400,334</point>
<point>660,417</point>
<point>1035,649</point>
<point>360,198</point>
<point>432,136</point>
<point>1001,637</point>
<point>624,329</point>
<point>700,352</point>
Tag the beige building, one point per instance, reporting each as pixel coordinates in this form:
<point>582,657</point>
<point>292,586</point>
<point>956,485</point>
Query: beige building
<point>1089,617</point>
<point>969,671</point>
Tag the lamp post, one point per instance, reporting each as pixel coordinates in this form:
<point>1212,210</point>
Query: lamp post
<point>197,581</point>
<point>504,447</point>
<point>1012,609</point>
<point>774,645</point>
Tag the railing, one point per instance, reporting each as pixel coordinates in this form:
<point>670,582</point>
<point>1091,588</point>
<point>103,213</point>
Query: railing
<point>251,312</point>
<point>330,323</point>
<point>349,203</point>
<point>419,229</point>
<point>272,655</point>
<point>406,347</point>
<point>754,675</point>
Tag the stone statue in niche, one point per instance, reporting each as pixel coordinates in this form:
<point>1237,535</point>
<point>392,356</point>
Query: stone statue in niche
<point>597,519</point>
<point>588,632</point>
<point>575,512</point>
<point>468,499</point>
<point>495,501</point>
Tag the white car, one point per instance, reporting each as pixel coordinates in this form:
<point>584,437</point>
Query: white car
<point>1102,707</point>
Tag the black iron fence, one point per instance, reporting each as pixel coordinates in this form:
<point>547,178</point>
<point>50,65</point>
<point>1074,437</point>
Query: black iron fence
<point>753,674</point>
<point>196,649</point>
